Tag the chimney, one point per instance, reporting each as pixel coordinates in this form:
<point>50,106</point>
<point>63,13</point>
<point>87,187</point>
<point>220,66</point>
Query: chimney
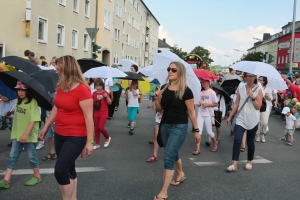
<point>164,40</point>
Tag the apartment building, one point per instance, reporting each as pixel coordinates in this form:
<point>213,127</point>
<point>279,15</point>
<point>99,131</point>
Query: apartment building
<point>48,28</point>
<point>127,29</point>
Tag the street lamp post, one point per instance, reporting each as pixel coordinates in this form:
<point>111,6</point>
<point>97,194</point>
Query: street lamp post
<point>292,39</point>
<point>231,57</point>
<point>239,50</point>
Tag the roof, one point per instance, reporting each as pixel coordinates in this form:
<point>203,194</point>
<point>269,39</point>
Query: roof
<point>150,12</point>
<point>162,44</point>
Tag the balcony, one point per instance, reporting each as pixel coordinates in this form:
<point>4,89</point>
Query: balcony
<point>147,39</point>
<point>146,54</point>
<point>148,24</point>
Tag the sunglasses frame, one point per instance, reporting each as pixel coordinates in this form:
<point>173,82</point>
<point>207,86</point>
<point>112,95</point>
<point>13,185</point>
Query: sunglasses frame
<point>174,70</point>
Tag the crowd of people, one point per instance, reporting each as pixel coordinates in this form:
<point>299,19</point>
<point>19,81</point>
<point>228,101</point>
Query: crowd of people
<point>91,102</point>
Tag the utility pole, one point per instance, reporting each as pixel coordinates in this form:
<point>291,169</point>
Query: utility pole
<point>292,39</point>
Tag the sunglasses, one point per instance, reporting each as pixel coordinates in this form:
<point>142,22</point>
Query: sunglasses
<point>172,69</point>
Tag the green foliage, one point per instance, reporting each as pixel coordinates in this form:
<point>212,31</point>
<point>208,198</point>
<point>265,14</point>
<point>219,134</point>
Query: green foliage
<point>254,56</point>
<point>203,53</point>
<point>178,51</point>
<point>212,69</point>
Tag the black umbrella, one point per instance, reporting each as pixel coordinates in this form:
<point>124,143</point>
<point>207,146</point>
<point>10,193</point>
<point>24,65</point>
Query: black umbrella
<point>39,92</point>
<point>21,63</point>
<point>229,90</point>
<point>231,83</point>
<point>48,78</point>
<point>222,92</point>
<point>88,63</point>
<point>132,76</point>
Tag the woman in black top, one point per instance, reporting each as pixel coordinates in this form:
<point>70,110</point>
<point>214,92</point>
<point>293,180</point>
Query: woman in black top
<point>177,102</point>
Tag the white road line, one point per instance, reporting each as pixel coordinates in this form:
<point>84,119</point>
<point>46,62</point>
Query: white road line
<point>51,170</point>
<point>257,160</point>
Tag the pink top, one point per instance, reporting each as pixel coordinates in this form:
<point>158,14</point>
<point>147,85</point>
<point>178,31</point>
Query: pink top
<point>207,96</point>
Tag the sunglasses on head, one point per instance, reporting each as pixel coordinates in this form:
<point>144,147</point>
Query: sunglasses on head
<point>172,69</point>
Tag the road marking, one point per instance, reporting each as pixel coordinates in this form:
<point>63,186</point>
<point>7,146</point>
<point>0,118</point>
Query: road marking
<point>51,170</point>
<point>257,160</point>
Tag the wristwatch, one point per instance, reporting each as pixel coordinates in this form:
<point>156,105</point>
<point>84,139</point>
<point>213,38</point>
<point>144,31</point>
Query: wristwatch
<point>254,99</point>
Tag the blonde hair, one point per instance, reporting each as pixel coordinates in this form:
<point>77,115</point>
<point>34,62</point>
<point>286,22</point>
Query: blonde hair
<point>181,80</point>
<point>70,73</point>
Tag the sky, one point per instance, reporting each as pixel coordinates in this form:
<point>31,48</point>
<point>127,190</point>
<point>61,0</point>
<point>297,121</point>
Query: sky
<point>220,26</point>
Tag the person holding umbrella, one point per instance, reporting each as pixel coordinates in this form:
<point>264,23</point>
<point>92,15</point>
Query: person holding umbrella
<point>24,134</point>
<point>247,111</point>
<point>177,103</point>
<point>74,127</point>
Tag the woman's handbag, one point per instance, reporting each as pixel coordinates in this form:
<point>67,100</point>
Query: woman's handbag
<point>263,107</point>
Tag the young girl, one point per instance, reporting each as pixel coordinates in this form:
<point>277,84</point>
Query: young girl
<point>101,99</point>
<point>208,100</point>
<point>132,95</point>
<point>24,135</point>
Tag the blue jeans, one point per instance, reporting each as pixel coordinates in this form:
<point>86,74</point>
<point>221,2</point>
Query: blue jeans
<point>238,137</point>
<point>16,150</point>
<point>68,149</point>
<point>173,136</point>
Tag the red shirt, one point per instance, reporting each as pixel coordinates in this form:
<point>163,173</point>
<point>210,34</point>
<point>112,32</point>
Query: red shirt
<point>70,119</point>
<point>295,89</point>
<point>103,111</point>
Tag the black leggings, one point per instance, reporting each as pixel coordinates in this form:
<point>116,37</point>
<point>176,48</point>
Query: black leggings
<point>68,149</point>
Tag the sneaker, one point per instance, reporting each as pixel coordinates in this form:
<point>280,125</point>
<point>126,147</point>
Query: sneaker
<point>263,139</point>
<point>257,139</point>
<point>40,145</point>
<point>3,127</point>
<point>131,131</point>
<point>285,141</point>
<point>9,144</point>
<point>283,138</point>
<point>33,181</point>
<point>215,148</point>
<point>289,143</point>
<point>106,144</point>
<point>4,185</point>
<point>96,146</point>
<point>128,125</point>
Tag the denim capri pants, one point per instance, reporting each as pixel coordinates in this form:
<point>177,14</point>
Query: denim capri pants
<point>16,150</point>
<point>173,136</point>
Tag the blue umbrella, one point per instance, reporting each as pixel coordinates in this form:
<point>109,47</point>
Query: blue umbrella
<point>155,81</point>
<point>6,91</point>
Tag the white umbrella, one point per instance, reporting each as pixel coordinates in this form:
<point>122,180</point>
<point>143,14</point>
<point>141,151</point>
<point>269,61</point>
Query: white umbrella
<point>126,64</point>
<point>45,68</point>
<point>161,62</point>
<point>275,80</point>
<point>104,72</point>
<point>147,71</point>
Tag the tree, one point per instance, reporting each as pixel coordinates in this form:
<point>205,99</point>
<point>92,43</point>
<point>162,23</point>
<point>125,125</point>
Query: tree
<point>178,51</point>
<point>254,56</point>
<point>203,53</point>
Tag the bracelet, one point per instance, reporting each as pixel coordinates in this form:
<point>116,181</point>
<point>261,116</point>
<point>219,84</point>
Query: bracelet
<point>196,129</point>
<point>90,141</point>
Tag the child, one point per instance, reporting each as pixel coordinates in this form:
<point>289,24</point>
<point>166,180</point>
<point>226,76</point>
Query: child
<point>101,99</point>
<point>151,94</point>
<point>208,100</point>
<point>24,135</point>
<point>290,125</point>
<point>132,95</point>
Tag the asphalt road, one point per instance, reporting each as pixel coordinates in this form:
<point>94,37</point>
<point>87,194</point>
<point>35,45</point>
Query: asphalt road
<point>120,172</point>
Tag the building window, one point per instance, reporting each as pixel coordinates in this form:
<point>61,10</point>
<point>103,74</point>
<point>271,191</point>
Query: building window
<point>139,7</point>
<point>117,34</point>
<point>62,2</point>
<point>286,59</point>
<point>118,10</point>
<point>76,6</point>
<point>116,57</point>
<point>43,30</point>
<point>74,39</point>
<point>85,42</point>
<point>87,8</point>
<point>278,60</point>
<point>134,4</point>
<point>124,6</point>
<point>107,19</point>
<point>130,1</point>
<point>282,59</point>
<point>60,35</point>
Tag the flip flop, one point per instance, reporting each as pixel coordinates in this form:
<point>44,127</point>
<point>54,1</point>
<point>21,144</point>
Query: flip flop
<point>179,182</point>
<point>242,149</point>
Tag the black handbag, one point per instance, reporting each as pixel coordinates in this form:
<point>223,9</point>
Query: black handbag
<point>263,107</point>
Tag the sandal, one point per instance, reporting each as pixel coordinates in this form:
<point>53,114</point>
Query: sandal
<point>242,149</point>
<point>160,198</point>
<point>231,168</point>
<point>215,147</point>
<point>248,167</point>
<point>196,152</point>
<point>207,143</point>
<point>176,183</point>
<point>152,159</point>
<point>50,157</point>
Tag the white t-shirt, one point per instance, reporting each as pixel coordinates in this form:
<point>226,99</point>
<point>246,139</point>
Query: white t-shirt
<point>289,121</point>
<point>133,101</point>
<point>207,96</point>
<point>107,83</point>
<point>222,105</point>
<point>269,103</point>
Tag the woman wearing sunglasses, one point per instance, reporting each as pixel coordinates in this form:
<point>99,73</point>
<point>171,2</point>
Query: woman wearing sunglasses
<point>247,119</point>
<point>177,103</point>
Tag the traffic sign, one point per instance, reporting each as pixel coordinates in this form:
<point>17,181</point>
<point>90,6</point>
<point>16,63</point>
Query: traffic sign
<point>92,32</point>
